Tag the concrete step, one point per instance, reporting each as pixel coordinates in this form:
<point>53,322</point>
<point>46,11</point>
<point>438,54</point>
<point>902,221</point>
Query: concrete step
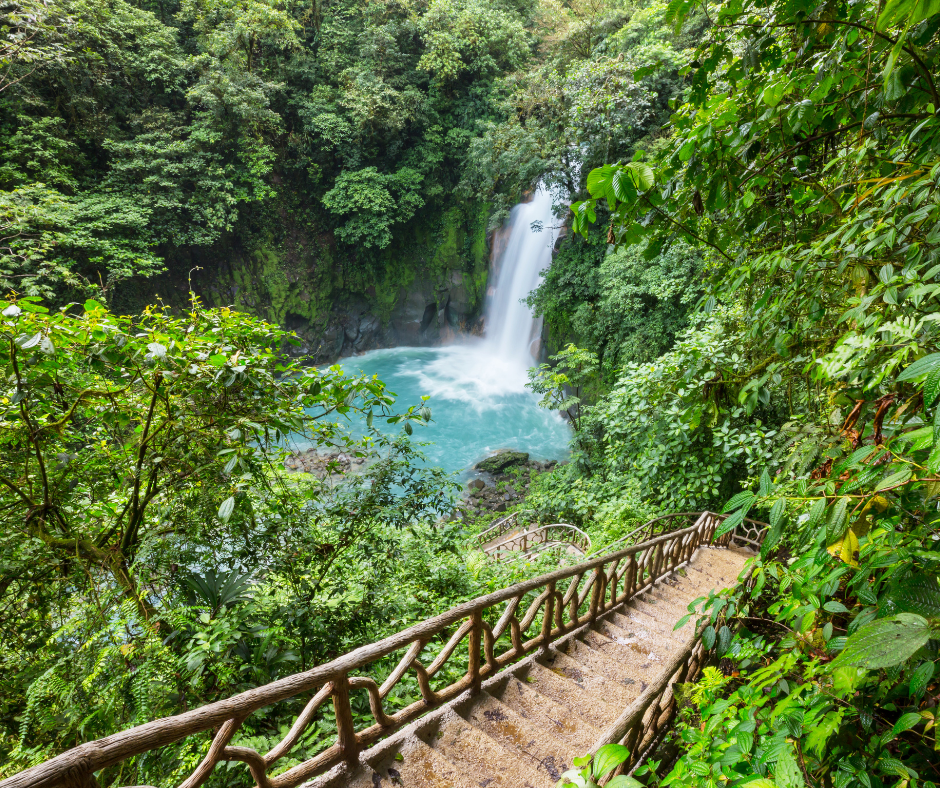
<point>613,667</point>
<point>634,616</point>
<point>481,760</point>
<point>412,765</point>
<point>607,691</point>
<point>722,567</point>
<point>580,703</point>
<point>641,661</point>
<point>658,617</point>
<point>560,721</point>
<point>549,757</point>
<point>663,606</point>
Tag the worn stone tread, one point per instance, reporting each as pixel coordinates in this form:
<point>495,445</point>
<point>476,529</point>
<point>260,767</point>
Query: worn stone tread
<point>550,757</point>
<point>482,760</point>
<point>414,765</point>
<point>604,690</point>
<point>561,721</point>
<point>632,656</point>
<point>618,668</point>
<point>567,693</point>
<point>634,616</point>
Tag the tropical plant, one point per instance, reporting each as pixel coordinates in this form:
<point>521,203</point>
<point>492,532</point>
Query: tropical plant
<point>591,771</point>
<point>804,160</point>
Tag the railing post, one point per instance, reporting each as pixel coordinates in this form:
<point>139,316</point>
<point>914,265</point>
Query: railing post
<point>546,637</point>
<point>596,590</point>
<point>79,778</point>
<point>630,578</point>
<point>345,727</point>
<point>476,636</point>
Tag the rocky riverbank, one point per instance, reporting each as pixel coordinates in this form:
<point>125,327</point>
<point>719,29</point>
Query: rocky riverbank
<point>323,463</point>
<point>504,481</point>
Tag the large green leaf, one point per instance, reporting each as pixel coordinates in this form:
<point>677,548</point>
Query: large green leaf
<point>920,367</point>
<point>787,773</point>
<point>622,781</point>
<point>642,174</point>
<point>741,499</point>
<point>910,12</point>
<point>600,183</point>
<point>885,642</point>
<point>773,94</point>
<point>608,758</point>
<point>932,387</point>
<point>624,185</point>
<point>919,594</point>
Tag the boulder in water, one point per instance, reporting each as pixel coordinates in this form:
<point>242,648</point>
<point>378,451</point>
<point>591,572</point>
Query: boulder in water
<point>502,460</point>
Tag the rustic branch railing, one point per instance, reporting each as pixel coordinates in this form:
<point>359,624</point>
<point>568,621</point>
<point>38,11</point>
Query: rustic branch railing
<point>497,529</point>
<point>499,629</point>
<point>666,522</point>
<point>749,534</point>
<point>522,543</point>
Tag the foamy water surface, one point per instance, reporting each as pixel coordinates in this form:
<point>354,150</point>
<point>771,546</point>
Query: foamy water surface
<point>478,402</point>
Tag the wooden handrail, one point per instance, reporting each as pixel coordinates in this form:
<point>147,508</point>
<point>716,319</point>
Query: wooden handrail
<point>520,543</point>
<point>500,527</point>
<point>647,526</point>
<point>594,587</point>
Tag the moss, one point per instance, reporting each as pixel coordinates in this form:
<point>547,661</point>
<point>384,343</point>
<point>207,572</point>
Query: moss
<point>282,266</point>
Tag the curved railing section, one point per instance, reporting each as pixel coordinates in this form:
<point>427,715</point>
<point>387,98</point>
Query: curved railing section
<point>748,534</point>
<point>523,543</point>
<point>485,635</point>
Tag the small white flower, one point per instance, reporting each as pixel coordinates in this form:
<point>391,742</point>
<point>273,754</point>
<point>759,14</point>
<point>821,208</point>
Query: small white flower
<point>12,311</point>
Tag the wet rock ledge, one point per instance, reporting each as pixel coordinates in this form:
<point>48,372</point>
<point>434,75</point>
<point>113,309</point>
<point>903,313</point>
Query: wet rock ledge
<point>319,463</point>
<point>503,483</point>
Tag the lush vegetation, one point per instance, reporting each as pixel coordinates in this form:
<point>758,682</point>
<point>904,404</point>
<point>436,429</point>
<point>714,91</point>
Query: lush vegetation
<point>742,317</point>
<point>155,553</point>
<point>300,140</point>
<point>802,163</point>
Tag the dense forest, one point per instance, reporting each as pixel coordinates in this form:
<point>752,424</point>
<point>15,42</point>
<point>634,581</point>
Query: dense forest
<point>202,198</point>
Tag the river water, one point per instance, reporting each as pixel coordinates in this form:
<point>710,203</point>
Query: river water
<point>478,399</point>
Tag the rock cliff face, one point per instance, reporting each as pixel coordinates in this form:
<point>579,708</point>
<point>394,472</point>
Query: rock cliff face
<point>428,285</point>
<point>428,311</point>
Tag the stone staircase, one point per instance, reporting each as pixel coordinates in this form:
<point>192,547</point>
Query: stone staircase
<point>511,686</point>
<point>525,726</point>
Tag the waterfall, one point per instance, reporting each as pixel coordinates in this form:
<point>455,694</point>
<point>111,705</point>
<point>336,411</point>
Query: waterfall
<point>477,387</point>
<point>511,330</point>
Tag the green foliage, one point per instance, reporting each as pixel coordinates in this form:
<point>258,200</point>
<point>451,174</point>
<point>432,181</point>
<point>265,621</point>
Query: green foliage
<point>605,760</point>
<point>803,160</point>
<point>148,518</point>
<point>372,203</point>
<point>618,304</point>
<point>561,382</point>
<point>471,37</point>
<point>676,423</point>
<point>138,138</point>
<point>601,90</point>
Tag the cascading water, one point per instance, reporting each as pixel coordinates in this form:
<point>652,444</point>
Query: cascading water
<point>477,386</point>
<point>510,327</point>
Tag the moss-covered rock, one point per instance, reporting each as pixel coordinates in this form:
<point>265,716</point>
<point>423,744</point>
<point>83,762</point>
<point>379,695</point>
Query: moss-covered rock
<point>502,460</point>
<point>429,284</point>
